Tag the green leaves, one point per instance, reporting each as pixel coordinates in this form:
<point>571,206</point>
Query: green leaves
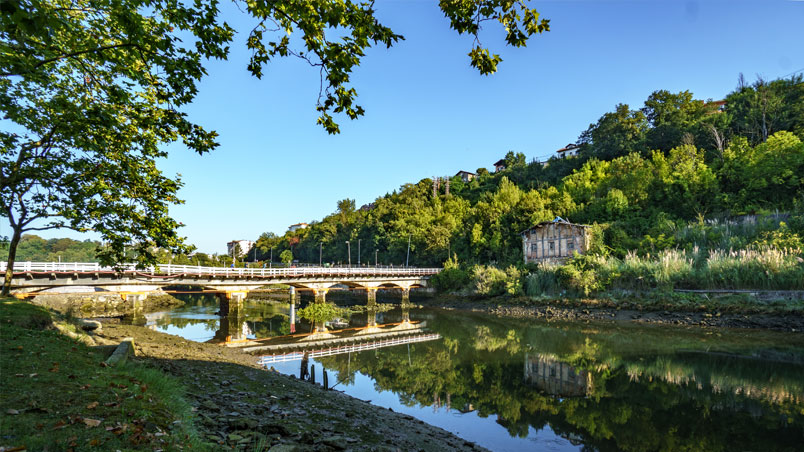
<point>483,61</point>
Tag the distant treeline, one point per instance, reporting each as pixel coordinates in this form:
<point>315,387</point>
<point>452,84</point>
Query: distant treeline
<point>641,175</point>
<point>36,249</point>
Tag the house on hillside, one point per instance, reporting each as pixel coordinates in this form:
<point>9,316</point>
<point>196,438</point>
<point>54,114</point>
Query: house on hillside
<point>297,226</point>
<point>499,165</point>
<point>552,241</point>
<point>466,176</point>
<point>570,150</point>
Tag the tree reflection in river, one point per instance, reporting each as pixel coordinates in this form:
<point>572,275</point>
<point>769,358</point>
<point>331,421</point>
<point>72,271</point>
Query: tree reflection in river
<point>609,387</point>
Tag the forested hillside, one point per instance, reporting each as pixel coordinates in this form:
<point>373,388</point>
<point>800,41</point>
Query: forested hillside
<point>647,178</point>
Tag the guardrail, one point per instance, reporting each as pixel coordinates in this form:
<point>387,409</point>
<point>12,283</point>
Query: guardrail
<point>175,270</point>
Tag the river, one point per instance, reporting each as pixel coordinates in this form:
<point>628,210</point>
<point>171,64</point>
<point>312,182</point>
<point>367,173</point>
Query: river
<point>523,384</point>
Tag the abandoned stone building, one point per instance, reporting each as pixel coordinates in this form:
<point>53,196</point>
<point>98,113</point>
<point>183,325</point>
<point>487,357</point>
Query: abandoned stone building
<point>553,241</point>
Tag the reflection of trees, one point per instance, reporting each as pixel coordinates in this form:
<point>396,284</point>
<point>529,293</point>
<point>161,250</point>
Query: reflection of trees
<point>637,399</point>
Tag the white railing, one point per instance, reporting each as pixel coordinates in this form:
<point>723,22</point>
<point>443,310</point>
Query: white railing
<point>176,270</point>
<point>296,356</point>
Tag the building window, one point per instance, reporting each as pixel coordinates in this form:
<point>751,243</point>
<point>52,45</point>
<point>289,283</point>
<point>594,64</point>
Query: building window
<point>533,248</point>
<point>552,246</point>
<point>552,371</point>
<point>570,245</point>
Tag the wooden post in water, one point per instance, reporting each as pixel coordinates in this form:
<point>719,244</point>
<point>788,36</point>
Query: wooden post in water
<point>326,380</point>
<point>303,372</point>
<point>312,373</point>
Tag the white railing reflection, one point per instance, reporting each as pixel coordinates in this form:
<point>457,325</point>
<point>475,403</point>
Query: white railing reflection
<point>296,356</point>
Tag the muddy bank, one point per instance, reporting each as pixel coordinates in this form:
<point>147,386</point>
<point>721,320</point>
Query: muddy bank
<point>104,304</point>
<point>505,307</point>
<point>239,405</point>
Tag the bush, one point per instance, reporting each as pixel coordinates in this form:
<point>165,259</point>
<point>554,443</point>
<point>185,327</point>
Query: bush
<point>579,275</point>
<point>492,281</point>
<point>318,313</point>
<point>452,278</point>
<point>543,281</point>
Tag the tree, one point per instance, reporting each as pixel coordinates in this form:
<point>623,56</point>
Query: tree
<point>94,90</point>
<point>671,115</point>
<point>617,133</point>
<point>286,257</point>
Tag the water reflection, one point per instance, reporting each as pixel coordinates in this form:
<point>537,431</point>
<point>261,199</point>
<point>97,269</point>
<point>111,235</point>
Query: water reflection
<point>519,385</point>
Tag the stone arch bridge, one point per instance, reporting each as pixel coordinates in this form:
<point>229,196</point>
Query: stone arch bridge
<point>233,284</point>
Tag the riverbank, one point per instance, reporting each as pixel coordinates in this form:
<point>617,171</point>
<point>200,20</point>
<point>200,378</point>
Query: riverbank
<point>730,310</point>
<point>200,395</point>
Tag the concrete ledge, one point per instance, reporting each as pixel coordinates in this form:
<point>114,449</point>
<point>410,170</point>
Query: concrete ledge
<point>122,352</point>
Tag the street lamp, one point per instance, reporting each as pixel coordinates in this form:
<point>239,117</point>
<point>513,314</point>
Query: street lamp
<point>358,252</point>
<point>407,259</point>
<point>375,257</point>
<point>320,249</point>
<point>271,259</point>
<point>349,253</point>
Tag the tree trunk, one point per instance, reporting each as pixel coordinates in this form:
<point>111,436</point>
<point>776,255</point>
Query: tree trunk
<point>12,255</point>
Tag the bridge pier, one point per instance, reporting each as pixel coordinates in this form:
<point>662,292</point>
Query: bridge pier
<point>406,305</point>
<point>320,295</point>
<point>231,302</point>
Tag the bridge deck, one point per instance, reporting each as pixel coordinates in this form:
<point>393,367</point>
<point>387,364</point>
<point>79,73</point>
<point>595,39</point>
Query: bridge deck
<point>224,272</point>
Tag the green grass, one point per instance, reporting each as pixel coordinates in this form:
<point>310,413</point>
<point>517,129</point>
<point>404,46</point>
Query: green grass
<point>58,395</point>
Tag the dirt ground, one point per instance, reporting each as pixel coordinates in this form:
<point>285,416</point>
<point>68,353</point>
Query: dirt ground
<point>241,407</point>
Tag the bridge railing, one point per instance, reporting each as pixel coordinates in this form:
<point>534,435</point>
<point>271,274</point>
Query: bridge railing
<point>169,269</point>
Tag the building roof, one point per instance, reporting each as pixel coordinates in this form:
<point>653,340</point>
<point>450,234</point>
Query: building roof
<point>299,224</point>
<point>558,220</point>
<point>465,172</point>
<point>569,147</point>
<point>500,162</point>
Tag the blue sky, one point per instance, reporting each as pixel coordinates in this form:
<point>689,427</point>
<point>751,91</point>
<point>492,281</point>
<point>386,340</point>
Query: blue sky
<point>428,113</point>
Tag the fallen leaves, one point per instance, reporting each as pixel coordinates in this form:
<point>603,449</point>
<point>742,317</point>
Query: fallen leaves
<point>91,422</point>
<point>12,411</point>
<point>92,406</point>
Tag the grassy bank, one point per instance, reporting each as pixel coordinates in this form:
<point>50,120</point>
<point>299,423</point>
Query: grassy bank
<point>644,282</point>
<point>58,394</point>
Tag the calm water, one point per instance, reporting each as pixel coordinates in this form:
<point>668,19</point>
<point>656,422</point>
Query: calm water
<point>513,385</point>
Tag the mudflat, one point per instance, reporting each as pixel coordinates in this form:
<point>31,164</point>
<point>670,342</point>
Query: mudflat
<point>237,403</point>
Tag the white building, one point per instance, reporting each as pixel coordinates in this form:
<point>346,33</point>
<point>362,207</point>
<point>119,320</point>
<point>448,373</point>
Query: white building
<point>570,150</point>
<point>297,226</point>
<point>244,245</point>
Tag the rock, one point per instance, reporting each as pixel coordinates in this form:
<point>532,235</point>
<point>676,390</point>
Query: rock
<point>210,405</point>
<point>285,448</point>
<point>234,437</point>
<point>242,424</point>
<point>336,442</point>
<point>90,325</point>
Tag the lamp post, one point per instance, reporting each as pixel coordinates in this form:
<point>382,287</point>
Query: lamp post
<point>349,253</point>
<point>358,252</point>
<point>375,257</point>
<point>271,259</point>
<point>320,250</point>
<point>407,258</point>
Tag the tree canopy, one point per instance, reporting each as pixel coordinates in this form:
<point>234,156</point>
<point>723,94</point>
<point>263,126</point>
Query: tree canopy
<point>93,91</point>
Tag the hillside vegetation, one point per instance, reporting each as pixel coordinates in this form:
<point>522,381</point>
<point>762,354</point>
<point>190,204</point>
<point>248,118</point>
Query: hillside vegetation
<point>681,192</point>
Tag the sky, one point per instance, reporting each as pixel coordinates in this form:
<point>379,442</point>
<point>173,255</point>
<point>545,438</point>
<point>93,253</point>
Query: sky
<point>429,113</point>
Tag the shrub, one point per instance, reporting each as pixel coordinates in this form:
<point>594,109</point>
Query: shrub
<point>452,278</point>
<point>318,313</point>
<point>488,280</point>
<point>542,281</point>
<point>492,281</point>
